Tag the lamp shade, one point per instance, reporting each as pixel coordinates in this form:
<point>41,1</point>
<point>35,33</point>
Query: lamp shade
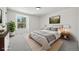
<point>64,28</point>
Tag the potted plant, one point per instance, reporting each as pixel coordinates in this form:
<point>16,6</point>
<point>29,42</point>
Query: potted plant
<point>11,28</point>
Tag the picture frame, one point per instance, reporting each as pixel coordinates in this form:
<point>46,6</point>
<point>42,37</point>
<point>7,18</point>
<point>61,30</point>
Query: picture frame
<point>0,16</point>
<point>54,19</point>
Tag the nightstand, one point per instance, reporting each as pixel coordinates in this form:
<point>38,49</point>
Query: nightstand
<point>65,35</point>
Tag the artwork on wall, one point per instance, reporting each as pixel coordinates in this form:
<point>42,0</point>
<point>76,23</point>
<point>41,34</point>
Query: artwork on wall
<point>54,19</point>
<point>0,16</point>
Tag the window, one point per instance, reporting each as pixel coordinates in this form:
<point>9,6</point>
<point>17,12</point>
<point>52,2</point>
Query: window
<point>21,22</point>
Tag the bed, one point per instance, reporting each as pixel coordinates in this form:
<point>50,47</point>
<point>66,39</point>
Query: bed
<point>43,39</point>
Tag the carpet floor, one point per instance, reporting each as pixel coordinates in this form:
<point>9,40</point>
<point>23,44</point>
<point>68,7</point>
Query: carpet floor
<point>18,43</point>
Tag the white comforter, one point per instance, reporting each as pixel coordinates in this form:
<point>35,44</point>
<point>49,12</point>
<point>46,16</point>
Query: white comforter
<point>42,36</point>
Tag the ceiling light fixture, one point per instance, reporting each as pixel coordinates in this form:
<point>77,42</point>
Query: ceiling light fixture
<point>38,8</point>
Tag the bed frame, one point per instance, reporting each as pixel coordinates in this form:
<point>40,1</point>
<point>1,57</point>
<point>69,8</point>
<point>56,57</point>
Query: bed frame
<point>36,47</point>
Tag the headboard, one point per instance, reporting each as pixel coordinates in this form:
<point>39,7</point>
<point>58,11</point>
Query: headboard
<point>48,27</point>
<point>56,26</point>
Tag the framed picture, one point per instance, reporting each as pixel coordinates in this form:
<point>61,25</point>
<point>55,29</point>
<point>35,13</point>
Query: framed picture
<point>54,19</point>
<point>0,16</point>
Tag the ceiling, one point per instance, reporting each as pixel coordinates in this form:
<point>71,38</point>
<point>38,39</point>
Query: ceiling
<point>33,11</point>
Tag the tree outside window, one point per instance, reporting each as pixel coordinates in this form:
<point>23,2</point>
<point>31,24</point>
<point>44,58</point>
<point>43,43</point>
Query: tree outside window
<point>21,22</point>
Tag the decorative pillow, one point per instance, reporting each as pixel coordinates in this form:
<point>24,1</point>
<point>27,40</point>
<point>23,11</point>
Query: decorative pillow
<point>47,28</point>
<point>54,29</point>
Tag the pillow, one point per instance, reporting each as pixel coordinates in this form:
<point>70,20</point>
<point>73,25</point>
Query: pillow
<point>47,28</point>
<point>54,29</point>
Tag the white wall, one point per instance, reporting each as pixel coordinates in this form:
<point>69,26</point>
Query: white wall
<point>78,24</point>
<point>68,16</point>
<point>33,20</point>
<point>33,23</point>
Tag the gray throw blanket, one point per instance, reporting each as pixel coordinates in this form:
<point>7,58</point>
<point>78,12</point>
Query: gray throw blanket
<point>47,35</point>
<point>44,37</point>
